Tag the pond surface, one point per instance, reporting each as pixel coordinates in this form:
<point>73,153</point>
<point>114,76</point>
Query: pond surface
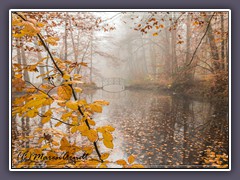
<point>162,130</point>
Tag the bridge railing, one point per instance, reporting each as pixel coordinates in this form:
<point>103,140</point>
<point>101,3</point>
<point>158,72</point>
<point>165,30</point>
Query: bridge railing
<point>113,81</point>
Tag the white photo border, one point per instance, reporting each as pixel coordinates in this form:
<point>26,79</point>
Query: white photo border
<point>118,10</point>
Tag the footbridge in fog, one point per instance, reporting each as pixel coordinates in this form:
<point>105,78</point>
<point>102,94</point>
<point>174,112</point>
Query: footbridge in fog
<point>113,84</point>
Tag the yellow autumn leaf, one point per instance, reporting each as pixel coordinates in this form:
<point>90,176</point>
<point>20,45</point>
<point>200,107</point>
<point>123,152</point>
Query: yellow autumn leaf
<point>46,119</point>
<point>45,146</point>
<point>66,76</point>
<point>83,129</point>
<point>92,135</point>
<point>96,108</point>
<point>109,128</point>
<point>131,159</point>
<point>121,162</point>
<point>52,40</point>
<point>66,116</point>
<point>137,166</point>
<point>91,122</point>
<point>88,150</point>
<point>64,92</point>
<point>104,156</point>
<point>65,145</point>
<point>108,144</point>
<point>39,24</point>
<point>40,140</point>
<point>74,129</point>
<point>58,124</point>
<point>77,76</point>
<point>102,102</point>
<point>55,143</point>
<point>78,90</point>
<point>72,105</point>
<point>155,34</point>
<point>48,113</point>
<point>18,76</point>
<point>32,113</point>
<point>107,136</point>
<point>103,165</point>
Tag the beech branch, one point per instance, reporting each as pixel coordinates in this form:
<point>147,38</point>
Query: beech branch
<point>70,85</point>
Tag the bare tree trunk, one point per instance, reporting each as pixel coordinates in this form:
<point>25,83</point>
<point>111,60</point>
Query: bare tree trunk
<point>91,61</point>
<point>18,52</point>
<point>73,43</point>
<point>24,61</point>
<point>144,64</point>
<point>222,43</point>
<point>168,62</point>
<point>188,40</point>
<point>39,55</point>
<point>173,44</point>
<point>153,60</point>
<point>213,47</point>
<point>65,39</point>
<point>189,74</point>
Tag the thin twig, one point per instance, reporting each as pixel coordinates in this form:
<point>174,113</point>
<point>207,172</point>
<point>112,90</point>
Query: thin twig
<point>39,89</point>
<point>201,40</point>
<point>57,120</point>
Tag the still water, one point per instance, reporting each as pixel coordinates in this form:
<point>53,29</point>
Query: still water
<point>163,130</point>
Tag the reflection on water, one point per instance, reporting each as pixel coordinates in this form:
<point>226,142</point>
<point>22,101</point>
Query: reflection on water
<point>163,130</point>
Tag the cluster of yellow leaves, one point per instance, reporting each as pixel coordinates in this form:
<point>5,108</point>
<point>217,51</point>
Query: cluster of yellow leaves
<point>29,105</point>
<point>67,147</point>
<point>129,163</point>
<point>215,160</point>
<point>52,40</point>
<point>29,27</point>
<point>96,106</point>
<point>107,136</point>
<point>47,116</point>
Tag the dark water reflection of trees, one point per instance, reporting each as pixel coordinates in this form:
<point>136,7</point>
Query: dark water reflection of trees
<point>162,130</point>
<point>165,130</point>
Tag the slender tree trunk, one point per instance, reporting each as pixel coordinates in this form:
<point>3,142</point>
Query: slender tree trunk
<point>153,60</point>
<point>222,43</point>
<point>73,43</point>
<point>91,61</point>
<point>189,74</point>
<point>173,44</point>
<point>168,62</point>
<point>144,64</point>
<point>24,61</point>
<point>213,47</point>
<point>39,55</point>
<point>65,40</point>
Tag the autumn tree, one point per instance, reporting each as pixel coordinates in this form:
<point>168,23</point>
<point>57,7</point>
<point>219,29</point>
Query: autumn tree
<point>56,103</point>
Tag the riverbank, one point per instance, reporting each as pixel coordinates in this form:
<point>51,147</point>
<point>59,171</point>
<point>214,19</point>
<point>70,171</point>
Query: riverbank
<point>199,90</point>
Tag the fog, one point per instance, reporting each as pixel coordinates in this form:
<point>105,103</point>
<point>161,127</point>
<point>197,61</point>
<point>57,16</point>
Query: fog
<point>164,74</point>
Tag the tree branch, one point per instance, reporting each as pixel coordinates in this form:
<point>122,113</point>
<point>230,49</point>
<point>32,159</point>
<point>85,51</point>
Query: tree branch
<point>200,40</point>
<point>40,90</point>
<point>70,85</point>
<point>57,120</point>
